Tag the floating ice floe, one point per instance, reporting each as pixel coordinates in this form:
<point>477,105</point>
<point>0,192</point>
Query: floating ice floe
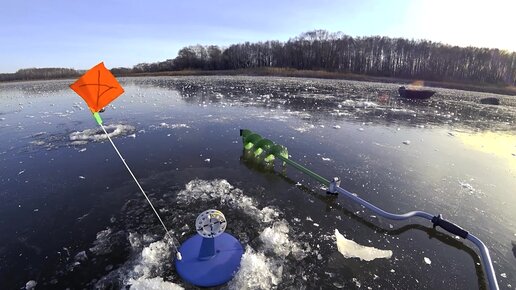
<point>96,135</point>
<point>427,260</point>
<point>350,249</point>
<point>406,142</point>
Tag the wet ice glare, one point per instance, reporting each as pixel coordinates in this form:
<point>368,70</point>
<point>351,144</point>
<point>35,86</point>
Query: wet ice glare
<point>350,249</point>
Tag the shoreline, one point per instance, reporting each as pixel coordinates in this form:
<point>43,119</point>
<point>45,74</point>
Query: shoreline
<point>314,74</point>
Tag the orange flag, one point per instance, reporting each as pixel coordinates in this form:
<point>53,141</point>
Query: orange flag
<point>98,87</point>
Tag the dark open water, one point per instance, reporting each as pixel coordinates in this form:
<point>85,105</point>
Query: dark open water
<point>70,215</point>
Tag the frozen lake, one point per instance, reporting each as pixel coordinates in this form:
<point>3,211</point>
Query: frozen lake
<point>71,216</point>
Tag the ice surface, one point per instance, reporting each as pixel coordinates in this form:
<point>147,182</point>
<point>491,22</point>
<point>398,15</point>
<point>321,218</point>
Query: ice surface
<point>350,249</point>
<point>96,135</point>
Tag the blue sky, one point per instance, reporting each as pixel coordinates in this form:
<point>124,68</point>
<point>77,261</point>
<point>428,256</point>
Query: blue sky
<point>79,34</point>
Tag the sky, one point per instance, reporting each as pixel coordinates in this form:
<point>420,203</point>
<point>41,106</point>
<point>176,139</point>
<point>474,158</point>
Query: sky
<point>81,33</point>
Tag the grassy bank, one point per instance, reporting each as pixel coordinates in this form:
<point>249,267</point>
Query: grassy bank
<point>285,72</point>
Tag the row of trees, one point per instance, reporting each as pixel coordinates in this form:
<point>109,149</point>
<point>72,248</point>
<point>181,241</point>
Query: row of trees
<point>39,74</point>
<point>375,56</point>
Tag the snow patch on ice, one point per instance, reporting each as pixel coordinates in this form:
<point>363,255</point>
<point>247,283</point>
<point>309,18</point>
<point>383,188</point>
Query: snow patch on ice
<point>97,135</point>
<point>350,249</point>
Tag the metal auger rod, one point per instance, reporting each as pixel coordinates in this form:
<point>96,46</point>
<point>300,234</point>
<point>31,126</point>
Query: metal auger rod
<point>334,187</point>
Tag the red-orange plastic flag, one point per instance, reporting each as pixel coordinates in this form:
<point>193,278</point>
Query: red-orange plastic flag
<point>98,87</point>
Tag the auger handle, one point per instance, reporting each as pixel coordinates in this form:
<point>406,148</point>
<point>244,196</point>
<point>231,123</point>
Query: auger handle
<point>449,226</point>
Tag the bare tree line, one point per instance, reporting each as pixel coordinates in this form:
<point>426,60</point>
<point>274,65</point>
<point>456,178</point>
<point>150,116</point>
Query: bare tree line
<point>337,52</point>
<point>39,74</point>
<point>334,52</point>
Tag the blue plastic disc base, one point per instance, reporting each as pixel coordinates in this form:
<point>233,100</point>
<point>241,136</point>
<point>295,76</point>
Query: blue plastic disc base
<point>214,271</point>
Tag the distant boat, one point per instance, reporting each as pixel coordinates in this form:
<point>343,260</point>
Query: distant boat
<point>490,101</point>
<point>415,94</point>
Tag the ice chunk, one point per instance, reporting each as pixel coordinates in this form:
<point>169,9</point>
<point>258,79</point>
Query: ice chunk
<point>326,159</point>
<point>504,275</point>
<point>172,126</point>
<point>427,260</point>
<point>31,285</point>
<point>406,142</point>
<point>275,239</point>
<point>357,283</point>
<point>156,283</point>
<point>102,245</point>
<point>467,186</point>
<point>350,249</point>
<point>256,272</point>
<point>81,256</point>
<point>336,127</point>
<point>153,258</point>
<point>203,190</point>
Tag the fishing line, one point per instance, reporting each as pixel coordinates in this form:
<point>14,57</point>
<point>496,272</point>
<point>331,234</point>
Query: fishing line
<point>178,254</point>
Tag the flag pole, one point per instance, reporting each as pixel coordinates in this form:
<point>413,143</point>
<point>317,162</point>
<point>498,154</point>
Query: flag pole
<point>98,119</point>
